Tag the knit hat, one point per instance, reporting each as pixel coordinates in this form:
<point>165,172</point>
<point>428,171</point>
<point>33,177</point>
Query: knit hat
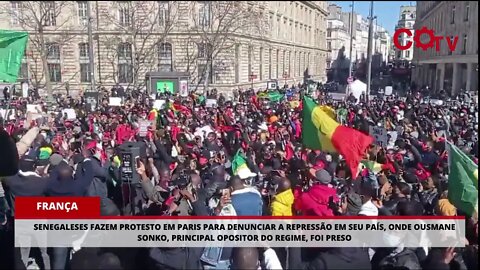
<point>323,176</point>
<point>354,204</point>
<point>55,159</point>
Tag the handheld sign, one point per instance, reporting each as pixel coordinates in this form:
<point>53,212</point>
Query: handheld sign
<point>115,101</point>
<point>159,104</point>
<point>70,113</point>
<point>271,85</point>
<point>211,103</point>
<point>388,90</point>
<point>143,127</point>
<point>379,135</point>
<point>34,108</point>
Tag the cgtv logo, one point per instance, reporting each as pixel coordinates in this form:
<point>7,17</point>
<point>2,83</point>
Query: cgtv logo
<point>432,41</point>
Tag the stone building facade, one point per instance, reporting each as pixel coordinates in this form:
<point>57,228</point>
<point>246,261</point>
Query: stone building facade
<point>443,69</point>
<point>266,40</point>
<point>406,20</point>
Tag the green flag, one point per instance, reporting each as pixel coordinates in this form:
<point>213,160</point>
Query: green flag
<point>462,181</point>
<point>238,162</point>
<point>12,48</point>
<point>275,96</point>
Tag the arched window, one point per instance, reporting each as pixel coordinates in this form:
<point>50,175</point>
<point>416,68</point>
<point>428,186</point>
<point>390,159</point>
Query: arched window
<point>165,58</point>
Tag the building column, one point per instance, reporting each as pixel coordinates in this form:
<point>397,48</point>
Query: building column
<point>455,79</point>
<point>469,77</point>
<point>441,80</point>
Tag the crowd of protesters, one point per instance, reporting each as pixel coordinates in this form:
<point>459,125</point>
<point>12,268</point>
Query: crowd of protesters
<point>185,168</point>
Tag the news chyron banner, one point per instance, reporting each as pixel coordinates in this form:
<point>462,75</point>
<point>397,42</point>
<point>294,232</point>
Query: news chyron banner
<point>63,222</point>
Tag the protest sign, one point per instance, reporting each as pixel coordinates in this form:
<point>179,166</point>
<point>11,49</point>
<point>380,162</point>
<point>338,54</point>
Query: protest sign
<point>379,135</point>
<point>388,90</point>
<point>10,116</point>
<point>272,85</point>
<point>211,103</point>
<point>159,104</point>
<point>115,101</point>
<point>143,127</point>
<point>34,108</point>
<point>70,113</point>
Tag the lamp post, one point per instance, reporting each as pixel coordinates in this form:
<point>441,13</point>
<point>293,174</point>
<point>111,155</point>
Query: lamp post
<point>91,56</point>
<point>350,68</point>
<point>369,52</point>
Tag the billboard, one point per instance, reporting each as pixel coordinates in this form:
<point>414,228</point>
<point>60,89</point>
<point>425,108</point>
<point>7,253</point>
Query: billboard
<point>163,86</point>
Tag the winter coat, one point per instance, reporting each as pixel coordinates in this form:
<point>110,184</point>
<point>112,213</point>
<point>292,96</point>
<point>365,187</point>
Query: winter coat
<point>406,258</point>
<point>315,202</point>
<point>282,203</point>
<point>334,258</point>
<point>247,202</point>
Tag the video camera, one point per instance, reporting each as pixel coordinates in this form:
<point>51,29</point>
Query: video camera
<point>181,182</point>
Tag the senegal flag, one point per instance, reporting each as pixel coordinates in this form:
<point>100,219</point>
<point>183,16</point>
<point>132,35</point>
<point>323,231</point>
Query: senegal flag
<point>321,132</point>
<point>462,181</point>
<point>12,48</point>
<point>238,162</point>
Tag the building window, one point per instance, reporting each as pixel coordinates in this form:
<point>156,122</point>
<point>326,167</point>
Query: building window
<point>204,50</point>
<point>464,48</point>
<point>23,73</point>
<point>84,72</point>
<point>125,51</point>
<point>450,51</point>
<point>249,59</point>
<point>278,60</point>
<point>284,61</point>
<point>205,14</point>
<point>270,63</point>
<point>294,60</point>
<point>55,72</point>
<point>407,54</point>
<point>260,68</point>
<point>125,73</point>
<point>82,12</point>
<point>452,15</point>
<point>125,67</point>
<point>163,13</point>
<point>202,72</point>
<point>16,12</point>
<point>467,11</point>
<point>289,54</point>
<point>329,33</point>
<point>124,14</point>
<point>165,59</point>
<point>83,50</point>
<point>329,45</point>
<point>84,62</point>
<point>237,63</point>
<point>53,51</point>
<point>48,12</point>
<point>299,64</point>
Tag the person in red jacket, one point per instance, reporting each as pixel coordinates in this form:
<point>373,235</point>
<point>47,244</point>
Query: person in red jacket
<point>315,201</point>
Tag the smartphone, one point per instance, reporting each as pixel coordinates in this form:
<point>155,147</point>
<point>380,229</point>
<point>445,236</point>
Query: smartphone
<point>137,161</point>
<point>225,192</point>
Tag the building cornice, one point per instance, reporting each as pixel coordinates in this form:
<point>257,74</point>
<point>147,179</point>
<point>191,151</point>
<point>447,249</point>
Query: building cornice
<point>184,34</point>
<point>315,6</point>
<point>435,7</point>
